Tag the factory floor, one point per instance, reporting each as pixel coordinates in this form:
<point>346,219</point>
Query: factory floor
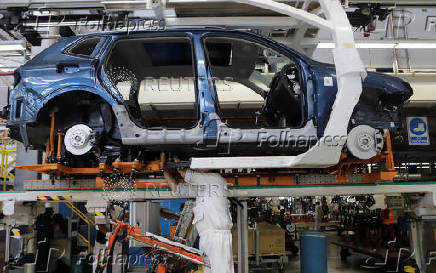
<point>352,265</point>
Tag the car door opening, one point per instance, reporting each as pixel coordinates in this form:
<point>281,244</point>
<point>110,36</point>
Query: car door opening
<point>156,79</point>
<point>257,87</point>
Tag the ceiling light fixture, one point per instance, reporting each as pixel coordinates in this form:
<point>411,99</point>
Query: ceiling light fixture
<point>386,45</point>
<point>7,46</point>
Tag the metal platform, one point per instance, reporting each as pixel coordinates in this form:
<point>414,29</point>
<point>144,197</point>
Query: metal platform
<point>237,191</point>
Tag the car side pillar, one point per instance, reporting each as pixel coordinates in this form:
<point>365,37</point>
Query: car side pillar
<point>206,96</point>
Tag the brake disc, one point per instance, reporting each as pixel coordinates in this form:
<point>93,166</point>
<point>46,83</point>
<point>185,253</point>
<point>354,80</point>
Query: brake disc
<point>79,139</point>
<point>364,142</point>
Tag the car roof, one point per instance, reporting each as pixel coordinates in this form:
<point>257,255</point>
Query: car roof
<point>146,31</point>
<point>51,54</point>
<point>245,33</point>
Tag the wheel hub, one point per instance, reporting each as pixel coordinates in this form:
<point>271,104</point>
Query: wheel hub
<point>78,139</point>
<point>365,141</point>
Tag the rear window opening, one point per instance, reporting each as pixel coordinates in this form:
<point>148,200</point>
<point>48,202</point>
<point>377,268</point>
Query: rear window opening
<point>155,77</point>
<point>84,47</point>
<point>18,108</point>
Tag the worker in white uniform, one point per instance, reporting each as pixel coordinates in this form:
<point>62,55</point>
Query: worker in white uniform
<point>211,215</point>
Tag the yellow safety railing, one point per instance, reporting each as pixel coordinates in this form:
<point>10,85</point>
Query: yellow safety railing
<point>86,241</point>
<point>87,220</point>
<point>8,148</point>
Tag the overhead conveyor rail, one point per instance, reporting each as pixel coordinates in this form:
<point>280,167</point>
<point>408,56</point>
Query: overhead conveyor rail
<point>112,4</point>
<point>239,191</point>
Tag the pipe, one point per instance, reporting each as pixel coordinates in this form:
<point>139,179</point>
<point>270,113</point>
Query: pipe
<point>9,73</point>
<point>51,139</point>
<point>59,151</point>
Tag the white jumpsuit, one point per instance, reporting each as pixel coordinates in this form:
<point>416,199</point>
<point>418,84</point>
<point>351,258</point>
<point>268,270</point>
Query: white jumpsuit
<point>211,218</point>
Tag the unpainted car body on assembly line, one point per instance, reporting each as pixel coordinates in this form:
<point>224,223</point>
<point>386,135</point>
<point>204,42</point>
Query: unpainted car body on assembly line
<point>204,93</point>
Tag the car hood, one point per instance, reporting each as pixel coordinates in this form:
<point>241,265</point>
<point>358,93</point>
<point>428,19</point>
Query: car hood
<point>388,84</point>
<point>384,82</point>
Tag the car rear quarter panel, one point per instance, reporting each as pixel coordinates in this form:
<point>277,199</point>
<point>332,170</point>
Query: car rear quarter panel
<point>42,82</point>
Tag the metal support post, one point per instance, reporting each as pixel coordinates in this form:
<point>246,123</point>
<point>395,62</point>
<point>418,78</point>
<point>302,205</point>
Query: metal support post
<point>257,245</point>
<point>416,244</point>
<point>7,242</point>
<point>242,217</point>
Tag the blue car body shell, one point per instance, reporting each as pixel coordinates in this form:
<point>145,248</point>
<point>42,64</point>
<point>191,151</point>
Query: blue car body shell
<point>54,72</point>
